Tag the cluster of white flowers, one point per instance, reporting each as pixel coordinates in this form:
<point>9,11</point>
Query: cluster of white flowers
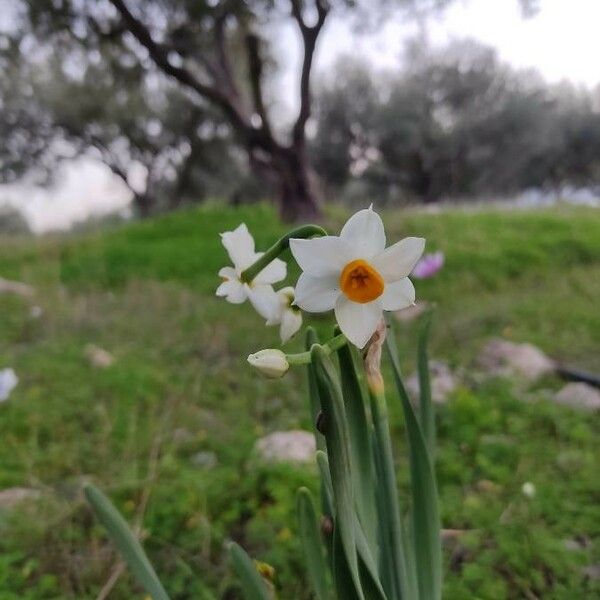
<point>353,274</point>
<point>277,307</point>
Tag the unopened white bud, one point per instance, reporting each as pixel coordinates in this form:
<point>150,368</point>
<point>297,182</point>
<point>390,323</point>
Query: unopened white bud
<point>271,363</point>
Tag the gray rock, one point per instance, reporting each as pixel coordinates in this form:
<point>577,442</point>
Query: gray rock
<point>294,446</point>
<point>205,460</point>
<point>98,357</point>
<point>504,358</point>
<point>591,572</point>
<point>11,497</point>
<point>579,395</point>
<point>443,382</point>
<point>15,287</point>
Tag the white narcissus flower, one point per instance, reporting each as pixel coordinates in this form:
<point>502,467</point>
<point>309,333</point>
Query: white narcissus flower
<point>240,247</point>
<point>271,363</point>
<point>286,315</point>
<point>356,275</point>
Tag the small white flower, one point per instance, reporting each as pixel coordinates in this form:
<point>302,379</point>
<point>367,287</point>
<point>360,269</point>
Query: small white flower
<point>285,314</point>
<point>8,382</point>
<point>240,247</point>
<point>356,275</point>
<point>271,363</point>
<point>528,489</point>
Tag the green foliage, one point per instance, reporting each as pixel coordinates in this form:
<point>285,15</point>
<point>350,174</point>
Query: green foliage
<point>180,378</point>
<point>129,546</point>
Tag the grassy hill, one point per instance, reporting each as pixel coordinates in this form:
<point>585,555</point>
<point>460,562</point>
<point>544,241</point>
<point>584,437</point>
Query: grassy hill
<point>168,429</point>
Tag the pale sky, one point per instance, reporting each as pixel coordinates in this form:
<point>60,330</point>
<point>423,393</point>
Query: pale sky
<point>562,41</point>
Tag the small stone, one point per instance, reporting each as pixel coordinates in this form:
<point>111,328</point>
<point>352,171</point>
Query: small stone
<point>578,543</point>
<point>36,312</point>
<point>487,487</point>
<point>295,446</point>
<point>591,572</point>
<point>16,287</point>
<point>443,382</point>
<point>10,497</point>
<point>98,357</point>
<point>412,312</point>
<point>205,460</point>
<point>8,382</point>
<point>579,395</point>
<point>503,358</point>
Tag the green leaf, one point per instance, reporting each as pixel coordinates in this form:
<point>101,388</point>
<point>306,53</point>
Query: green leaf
<point>326,485</point>
<point>392,528</point>
<point>425,403</point>
<point>311,544</point>
<point>342,575</point>
<point>253,586</point>
<point>313,390</point>
<point>338,451</point>
<point>425,513</point>
<point>369,575</point>
<point>356,402</point>
<point>128,545</point>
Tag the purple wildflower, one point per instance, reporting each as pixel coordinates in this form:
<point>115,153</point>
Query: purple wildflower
<point>429,265</point>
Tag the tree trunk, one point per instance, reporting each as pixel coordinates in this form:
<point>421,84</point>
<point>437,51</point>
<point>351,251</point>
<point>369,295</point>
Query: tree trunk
<point>297,197</point>
<point>143,204</point>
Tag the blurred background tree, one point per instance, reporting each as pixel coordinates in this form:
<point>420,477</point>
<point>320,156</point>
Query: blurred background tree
<point>456,122</point>
<point>179,99</point>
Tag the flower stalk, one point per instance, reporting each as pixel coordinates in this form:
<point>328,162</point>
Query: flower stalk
<point>303,232</point>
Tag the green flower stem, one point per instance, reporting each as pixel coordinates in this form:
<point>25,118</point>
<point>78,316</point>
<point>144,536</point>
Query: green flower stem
<point>278,247</point>
<point>383,448</point>
<point>303,358</point>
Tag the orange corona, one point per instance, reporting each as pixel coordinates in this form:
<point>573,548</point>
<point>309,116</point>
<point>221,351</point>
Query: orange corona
<point>361,282</point>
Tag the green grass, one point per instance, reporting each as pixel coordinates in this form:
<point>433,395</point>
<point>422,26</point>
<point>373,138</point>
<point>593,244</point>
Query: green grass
<point>180,386</point>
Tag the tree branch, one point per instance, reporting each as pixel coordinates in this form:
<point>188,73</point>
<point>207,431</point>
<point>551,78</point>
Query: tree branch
<point>255,67</point>
<point>310,34</point>
<point>160,55</point>
<point>223,61</point>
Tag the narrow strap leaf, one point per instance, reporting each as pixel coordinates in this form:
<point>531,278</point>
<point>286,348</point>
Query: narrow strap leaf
<point>311,544</point>
<point>356,403</point>
<point>313,390</point>
<point>425,402</point>
<point>326,485</point>
<point>425,512</point>
<point>387,566</point>
<point>128,545</point>
<point>338,451</point>
<point>369,574</point>
<point>343,579</point>
<point>328,506</point>
<point>253,586</point>
<point>393,529</point>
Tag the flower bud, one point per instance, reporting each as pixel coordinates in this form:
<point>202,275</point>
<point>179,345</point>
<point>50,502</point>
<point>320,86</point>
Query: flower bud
<point>271,363</point>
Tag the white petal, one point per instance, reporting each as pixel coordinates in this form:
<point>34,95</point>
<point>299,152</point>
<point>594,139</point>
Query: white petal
<point>233,291</point>
<point>240,246</point>
<point>317,294</point>
<point>265,301</point>
<point>397,261</point>
<point>364,233</point>
<point>227,273</point>
<point>291,321</point>
<point>358,322</point>
<point>321,256</point>
<point>275,271</point>
<point>398,295</point>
